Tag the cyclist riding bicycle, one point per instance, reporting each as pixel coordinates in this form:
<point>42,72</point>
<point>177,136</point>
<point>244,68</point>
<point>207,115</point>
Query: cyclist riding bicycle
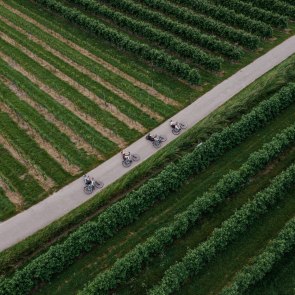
<point>126,155</point>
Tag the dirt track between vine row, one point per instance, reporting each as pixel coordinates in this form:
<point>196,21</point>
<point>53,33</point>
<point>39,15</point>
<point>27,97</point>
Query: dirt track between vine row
<point>150,90</point>
<point>71,196</point>
<point>65,102</point>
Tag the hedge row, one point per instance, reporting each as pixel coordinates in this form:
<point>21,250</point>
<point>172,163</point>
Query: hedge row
<point>232,182</point>
<point>228,16</point>
<point>143,29</point>
<point>184,31</point>
<point>230,230</point>
<point>158,57</point>
<point>275,6</point>
<point>126,211</point>
<point>207,24</point>
<point>255,12</point>
<point>263,263</point>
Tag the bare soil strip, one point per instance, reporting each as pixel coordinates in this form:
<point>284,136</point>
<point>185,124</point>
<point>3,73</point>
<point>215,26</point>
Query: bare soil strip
<point>45,145</point>
<point>14,197</point>
<point>150,90</point>
<point>84,91</point>
<point>76,139</point>
<point>46,183</point>
<point>65,102</point>
<point>85,71</point>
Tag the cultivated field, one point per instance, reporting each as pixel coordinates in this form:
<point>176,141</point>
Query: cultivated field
<point>230,201</point>
<point>69,99</point>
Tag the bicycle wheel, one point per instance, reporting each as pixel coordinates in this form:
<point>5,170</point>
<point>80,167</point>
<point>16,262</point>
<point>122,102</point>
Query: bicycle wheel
<point>175,131</point>
<point>156,144</point>
<point>126,163</point>
<point>99,184</point>
<point>183,125</point>
<point>135,157</point>
<point>88,189</point>
<point>163,138</point>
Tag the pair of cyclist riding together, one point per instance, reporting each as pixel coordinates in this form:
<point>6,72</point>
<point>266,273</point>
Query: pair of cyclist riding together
<point>90,184</point>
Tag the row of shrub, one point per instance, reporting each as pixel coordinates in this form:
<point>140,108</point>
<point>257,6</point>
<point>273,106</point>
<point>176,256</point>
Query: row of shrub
<point>184,31</point>
<point>264,262</point>
<point>230,230</point>
<point>161,38</point>
<point>255,12</point>
<point>157,57</point>
<point>228,16</point>
<point>275,6</point>
<point>232,182</point>
<point>126,211</point>
<point>204,23</point>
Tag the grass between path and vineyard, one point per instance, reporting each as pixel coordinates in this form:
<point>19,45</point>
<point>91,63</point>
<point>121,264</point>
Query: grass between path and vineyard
<point>102,257</point>
<point>231,111</point>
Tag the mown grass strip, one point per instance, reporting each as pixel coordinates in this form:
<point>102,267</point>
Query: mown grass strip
<point>80,68</point>
<point>86,131</point>
<point>7,209</point>
<point>68,37</point>
<point>47,130</point>
<point>16,176</point>
<point>231,183</point>
<point>61,91</point>
<point>264,262</point>
<point>229,231</point>
<point>22,142</point>
<point>86,91</point>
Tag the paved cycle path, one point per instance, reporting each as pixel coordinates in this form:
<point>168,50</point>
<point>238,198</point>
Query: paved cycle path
<point>71,196</point>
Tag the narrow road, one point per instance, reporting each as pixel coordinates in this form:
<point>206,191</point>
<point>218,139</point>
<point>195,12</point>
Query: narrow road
<point>71,196</point>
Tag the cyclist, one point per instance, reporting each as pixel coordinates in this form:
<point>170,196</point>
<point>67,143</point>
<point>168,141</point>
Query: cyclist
<point>87,179</point>
<point>126,155</point>
<point>173,124</point>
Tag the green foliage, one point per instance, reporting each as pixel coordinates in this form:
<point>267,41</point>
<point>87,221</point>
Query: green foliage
<point>231,183</point>
<point>47,130</point>
<point>127,210</point>
<point>255,12</point>
<point>264,262</point>
<point>30,149</point>
<point>230,230</point>
<point>16,177</point>
<point>165,39</point>
<point>275,6</point>
<point>184,31</point>
<point>87,132</point>
<point>158,57</point>
<point>7,209</point>
<point>228,16</point>
<point>207,24</point>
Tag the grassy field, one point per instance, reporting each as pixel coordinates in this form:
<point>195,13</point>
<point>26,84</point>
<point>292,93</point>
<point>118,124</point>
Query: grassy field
<point>78,99</point>
<point>103,257</point>
<point>231,111</point>
<point>82,79</point>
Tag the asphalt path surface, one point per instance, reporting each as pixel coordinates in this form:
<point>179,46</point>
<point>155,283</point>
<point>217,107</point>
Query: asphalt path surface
<point>71,196</point>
